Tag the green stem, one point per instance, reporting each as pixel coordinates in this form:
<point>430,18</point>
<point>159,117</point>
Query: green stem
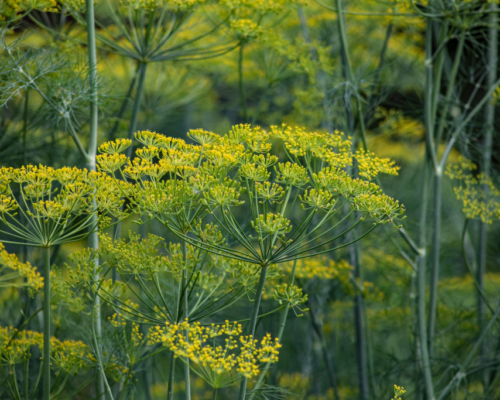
<point>261,102</point>
<point>434,86</point>
<point>435,257</point>
<point>46,323</point>
<point>187,378</point>
<point>123,107</point>
<point>455,381</point>
<point>253,321</point>
<point>320,76</point>
<point>171,373</point>
<point>428,106</point>
<point>421,285</point>
<point>214,394</point>
<point>449,90</point>
<point>282,323</point>
<point>240,79</point>
<point>91,158</point>
<point>488,144</point>
<point>137,104</point>
<point>362,359</point>
<point>318,328</point>
<point>438,72</point>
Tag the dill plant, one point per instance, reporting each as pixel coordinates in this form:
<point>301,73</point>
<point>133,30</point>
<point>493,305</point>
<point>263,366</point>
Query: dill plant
<point>182,185</point>
<point>58,206</point>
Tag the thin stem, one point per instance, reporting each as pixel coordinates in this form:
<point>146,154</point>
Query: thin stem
<point>487,151</point>
<point>137,105</point>
<point>449,90</point>
<point>214,394</point>
<point>282,323</point>
<point>421,285</point>
<point>253,321</point>
<point>123,107</point>
<point>261,102</point>
<point>455,381</point>
<point>320,76</point>
<point>46,323</point>
<point>240,80</point>
<point>318,328</point>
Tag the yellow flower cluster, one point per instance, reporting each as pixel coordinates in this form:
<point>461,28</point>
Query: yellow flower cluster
<point>261,6</point>
<point>291,295</point>
<point>480,197</point>
<point>398,391</point>
<point>219,365</point>
<point>63,295</point>
<point>24,270</point>
<point>169,176</point>
<point>370,166</point>
<point>10,9</point>
<point>246,29</point>
<point>54,199</point>
<point>151,5</point>
<point>66,355</point>
<point>320,267</point>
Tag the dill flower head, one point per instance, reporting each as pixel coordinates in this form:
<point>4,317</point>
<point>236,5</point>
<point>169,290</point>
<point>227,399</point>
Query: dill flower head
<point>58,203</point>
<point>32,277</point>
<point>180,183</point>
<point>219,354</point>
<point>66,355</point>
<point>479,196</point>
<point>398,391</point>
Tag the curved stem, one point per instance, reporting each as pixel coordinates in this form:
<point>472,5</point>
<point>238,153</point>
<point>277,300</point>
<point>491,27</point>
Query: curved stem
<point>240,79</point>
<point>253,322</point>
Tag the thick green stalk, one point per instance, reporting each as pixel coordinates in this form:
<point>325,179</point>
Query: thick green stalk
<point>487,150</point>
<point>171,373</point>
<point>137,105</point>
<point>46,323</point>
<point>253,321</point>
<point>240,81</point>
<point>362,359</point>
<point>187,378</point>
<point>281,329</point>
<point>449,90</point>
<point>343,40</point>
<point>429,90</point>
<point>91,159</point>
<point>437,195</point>
<point>214,394</point>
<point>421,286</point>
